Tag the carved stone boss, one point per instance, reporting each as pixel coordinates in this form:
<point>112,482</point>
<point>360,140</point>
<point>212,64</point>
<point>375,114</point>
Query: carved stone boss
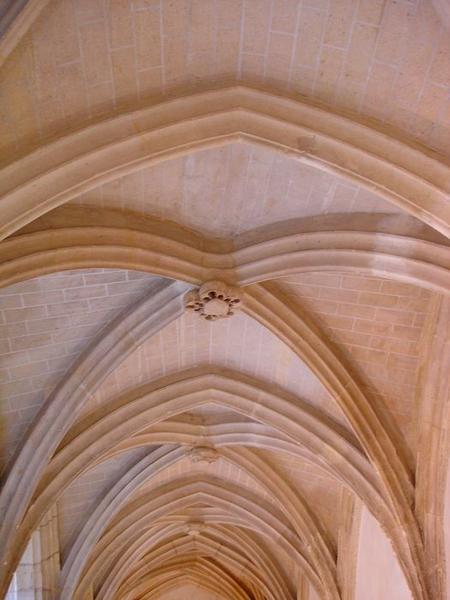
<point>214,300</point>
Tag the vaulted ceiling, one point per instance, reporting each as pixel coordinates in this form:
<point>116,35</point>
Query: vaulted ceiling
<point>295,153</point>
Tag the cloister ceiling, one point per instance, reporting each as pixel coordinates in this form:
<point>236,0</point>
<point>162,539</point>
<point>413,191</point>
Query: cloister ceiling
<point>295,149</point>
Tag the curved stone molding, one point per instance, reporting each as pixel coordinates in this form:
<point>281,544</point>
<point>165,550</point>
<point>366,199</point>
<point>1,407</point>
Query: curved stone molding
<point>127,415</point>
<point>195,572</point>
<point>213,300</point>
<point>229,555</point>
<point>303,519</point>
<point>196,496</point>
<point>16,22</point>
<point>340,392</point>
<point>231,500</point>
<point>325,374</point>
<point>247,434</point>
<point>129,555</point>
<point>185,390</point>
<point>263,303</point>
<point>160,533</point>
<point>382,245</point>
<point>352,477</point>
<point>115,498</point>
<point>221,381</point>
<point>434,442</point>
<point>348,541</point>
<point>413,180</point>
<point>125,334</point>
<point>331,380</point>
<point>252,545</point>
<point>206,575</point>
<point>318,544</point>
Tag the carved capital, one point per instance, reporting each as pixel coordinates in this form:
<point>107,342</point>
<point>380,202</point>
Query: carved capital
<point>214,300</point>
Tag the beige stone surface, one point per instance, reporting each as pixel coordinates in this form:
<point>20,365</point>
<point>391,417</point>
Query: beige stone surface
<point>378,325</point>
<point>378,575</point>
<point>163,156</point>
<point>190,591</point>
<point>384,60</point>
<point>46,324</point>
<point>243,185</point>
<point>446,528</point>
<point>240,344</point>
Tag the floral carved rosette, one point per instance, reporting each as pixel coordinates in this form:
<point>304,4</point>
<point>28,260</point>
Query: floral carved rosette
<point>213,300</point>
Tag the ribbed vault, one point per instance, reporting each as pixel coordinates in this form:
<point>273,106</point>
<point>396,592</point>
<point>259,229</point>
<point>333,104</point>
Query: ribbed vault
<point>295,151</point>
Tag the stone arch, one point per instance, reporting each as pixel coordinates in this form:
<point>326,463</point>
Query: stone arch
<point>187,393</point>
<point>292,503</point>
<point>310,347</point>
<point>386,455</point>
<point>125,333</point>
<point>252,546</point>
<point>252,513</point>
<point>52,175</point>
<point>380,245</point>
<point>208,548</point>
<point>410,176</point>
<point>205,576</point>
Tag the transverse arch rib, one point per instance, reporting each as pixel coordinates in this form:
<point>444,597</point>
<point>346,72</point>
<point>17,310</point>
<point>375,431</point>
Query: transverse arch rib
<point>383,245</point>
<point>265,303</point>
<point>58,172</point>
<point>308,355</point>
<point>126,416</point>
<point>249,543</point>
<point>124,334</point>
<point>232,501</point>
<point>337,381</point>
<point>296,508</point>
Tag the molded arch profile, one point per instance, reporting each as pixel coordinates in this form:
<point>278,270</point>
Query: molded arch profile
<point>223,549</point>
<point>129,330</point>
<point>292,329</point>
<point>229,556</point>
<point>432,467</point>
<point>124,552</point>
<point>16,21</point>
<point>291,503</point>
<point>312,350</point>
<point>237,507</point>
<point>95,438</point>
<point>205,575</point>
<point>92,438</point>
<point>250,544</point>
<point>265,303</point>
<point>410,178</point>
<point>234,433</point>
<point>383,245</point>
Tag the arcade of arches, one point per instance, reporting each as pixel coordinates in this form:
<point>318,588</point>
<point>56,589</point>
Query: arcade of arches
<point>224,299</point>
